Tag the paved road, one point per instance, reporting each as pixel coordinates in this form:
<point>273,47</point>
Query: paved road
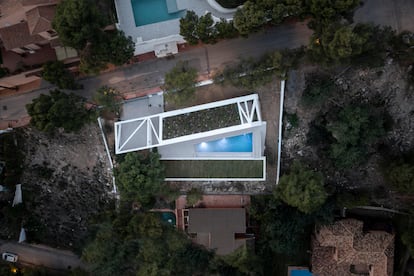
<point>150,73</point>
<point>42,255</point>
<point>144,75</point>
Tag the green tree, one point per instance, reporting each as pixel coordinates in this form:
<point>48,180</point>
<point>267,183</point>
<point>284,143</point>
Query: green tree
<point>284,229</point>
<point>80,25</point>
<point>193,196</point>
<point>249,19</point>
<point>108,98</point>
<point>78,22</point>
<point>354,128</point>
<point>180,83</point>
<point>206,30</point>
<point>302,188</point>
<point>401,177</point>
<point>226,29</point>
<point>188,27</point>
<point>141,244</point>
<point>56,73</point>
<point>117,48</point>
<point>58,110</point>
<point>140,177</point>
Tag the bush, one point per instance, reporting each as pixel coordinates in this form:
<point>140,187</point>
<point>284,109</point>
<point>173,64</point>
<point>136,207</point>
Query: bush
<point>193,196</point>
<point>401,177</point>
<point>108,99</point>
<point>319,87</point>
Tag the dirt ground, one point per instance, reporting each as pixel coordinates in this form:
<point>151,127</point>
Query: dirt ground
<point>66,182</point>
<point>385,84</point>
<point>269,97</point>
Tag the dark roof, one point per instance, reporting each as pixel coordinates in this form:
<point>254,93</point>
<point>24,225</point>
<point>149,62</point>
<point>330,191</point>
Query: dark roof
<point>216,228</point>
<point>40,18</point>
<point>18,35</point>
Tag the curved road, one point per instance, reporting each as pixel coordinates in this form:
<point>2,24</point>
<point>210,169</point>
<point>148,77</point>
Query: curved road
<point>40,255</point>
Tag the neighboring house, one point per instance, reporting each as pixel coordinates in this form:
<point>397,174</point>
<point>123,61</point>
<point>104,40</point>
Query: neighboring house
<point>345,248</point>
<point>155,25</point>
<point>217,222</point>
<point>218,141</point>
<point>26,30</point>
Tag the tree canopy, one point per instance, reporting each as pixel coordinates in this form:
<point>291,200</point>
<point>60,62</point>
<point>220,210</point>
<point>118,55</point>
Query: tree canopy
<point>140,177</point>
<point>302,188</point>
<point>58,110</point>
<point>353,129</point>
<point>194,28</point>
<point>56,73</point>
<point>78,22</point>
<point>180,83</point>
<point>141,244</point>
<point>80,25</point>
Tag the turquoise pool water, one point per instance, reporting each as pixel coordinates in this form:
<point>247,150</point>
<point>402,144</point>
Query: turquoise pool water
<point>300,273</point>
<point>240,143</point>
<point>168,217</point>
<point>154,11</point>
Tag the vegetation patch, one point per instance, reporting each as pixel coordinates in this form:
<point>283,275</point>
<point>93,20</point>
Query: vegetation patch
<point>200,121</point>
<point>213,168</point>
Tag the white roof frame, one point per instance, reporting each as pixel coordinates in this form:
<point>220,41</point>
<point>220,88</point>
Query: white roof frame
<point>147,132</point>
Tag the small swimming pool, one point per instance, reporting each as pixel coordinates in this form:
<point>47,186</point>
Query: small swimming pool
<point>300,273</point>
<point>154,11</point>
<point>168,217</point>
<point>240,143</point>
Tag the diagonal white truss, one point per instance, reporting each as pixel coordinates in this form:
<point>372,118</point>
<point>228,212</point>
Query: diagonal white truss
<point>147,132</point>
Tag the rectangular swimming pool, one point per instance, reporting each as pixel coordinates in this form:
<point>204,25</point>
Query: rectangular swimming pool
<point>154,11</point>
<point>240,143</point>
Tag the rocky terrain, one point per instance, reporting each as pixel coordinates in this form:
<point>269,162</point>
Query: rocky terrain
<point>66,182</point>
<point>386,86</point>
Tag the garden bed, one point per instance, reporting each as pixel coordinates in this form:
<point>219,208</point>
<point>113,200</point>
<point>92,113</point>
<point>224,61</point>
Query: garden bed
<point>200,121</point>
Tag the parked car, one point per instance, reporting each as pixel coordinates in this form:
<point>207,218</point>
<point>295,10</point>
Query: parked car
<point>9,257</point>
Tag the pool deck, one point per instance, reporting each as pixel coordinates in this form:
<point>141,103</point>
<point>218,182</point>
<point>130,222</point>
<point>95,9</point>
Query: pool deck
<point>148,36</point>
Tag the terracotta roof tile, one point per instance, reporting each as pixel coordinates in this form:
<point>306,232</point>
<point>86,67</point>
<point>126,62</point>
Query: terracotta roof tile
<point>336,247</point>
<point>40,18</point>
<point>18,35</point>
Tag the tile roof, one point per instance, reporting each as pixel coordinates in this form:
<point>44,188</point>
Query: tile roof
<point>18,35</point>
<point>40,18</point>
<point>337,247</point>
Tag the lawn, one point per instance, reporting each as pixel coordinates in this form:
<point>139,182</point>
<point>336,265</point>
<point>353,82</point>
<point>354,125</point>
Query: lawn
<point>213,168</point>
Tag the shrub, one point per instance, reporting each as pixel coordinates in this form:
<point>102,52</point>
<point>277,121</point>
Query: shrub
<point>319,87</point>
